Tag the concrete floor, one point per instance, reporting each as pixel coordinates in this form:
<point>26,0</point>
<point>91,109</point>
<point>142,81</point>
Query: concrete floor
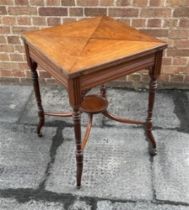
<point>39,173</point>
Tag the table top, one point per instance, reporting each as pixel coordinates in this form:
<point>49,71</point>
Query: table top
<point>81,46</point>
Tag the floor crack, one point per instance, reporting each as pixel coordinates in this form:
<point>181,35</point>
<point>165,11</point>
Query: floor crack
<point>23,195</point>
<point>57,141</point>
<point>181,110</point>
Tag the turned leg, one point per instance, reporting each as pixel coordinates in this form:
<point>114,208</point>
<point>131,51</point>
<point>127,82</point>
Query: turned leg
<point>152,89</point>
<point>38,98</point>
<point>154,74</point>
<point>103,91</point>
<point>79,152</point>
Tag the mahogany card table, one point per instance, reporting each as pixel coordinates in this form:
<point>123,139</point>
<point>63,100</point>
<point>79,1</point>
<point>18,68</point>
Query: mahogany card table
<point>88,53</point>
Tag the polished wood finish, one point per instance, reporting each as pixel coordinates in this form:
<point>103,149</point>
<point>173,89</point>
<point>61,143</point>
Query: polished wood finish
<point>84,54</point>
<point>108,73</point>
<point>93,104</point>
<point>76,48</point>
<point>33,66</point>
<point>154,74</point>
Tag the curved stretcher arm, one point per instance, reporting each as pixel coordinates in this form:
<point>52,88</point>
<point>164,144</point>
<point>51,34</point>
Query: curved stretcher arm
<point>59,114</point>
<point>87,132</point>
<point>120,119</point>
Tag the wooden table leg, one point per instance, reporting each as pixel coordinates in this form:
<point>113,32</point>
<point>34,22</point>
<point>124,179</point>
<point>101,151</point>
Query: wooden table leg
<point>33,67</point>
<point>152,88</point>
<point>79,151</point>
<point>154,74</point>
<point>75,98</point>
<point>38,99</point>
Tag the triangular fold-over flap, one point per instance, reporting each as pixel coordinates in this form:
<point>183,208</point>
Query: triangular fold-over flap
<point>111,29</point>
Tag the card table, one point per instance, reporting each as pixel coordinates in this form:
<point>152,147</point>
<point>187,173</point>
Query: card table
<point>88,53</point>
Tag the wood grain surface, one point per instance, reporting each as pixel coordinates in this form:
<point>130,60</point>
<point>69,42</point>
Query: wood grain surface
<point>87,44</point>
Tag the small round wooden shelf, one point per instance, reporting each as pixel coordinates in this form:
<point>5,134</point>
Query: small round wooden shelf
<point>94,104</point>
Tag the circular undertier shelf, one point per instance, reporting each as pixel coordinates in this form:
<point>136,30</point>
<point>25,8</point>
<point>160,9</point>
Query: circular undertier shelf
<point>93,104</point>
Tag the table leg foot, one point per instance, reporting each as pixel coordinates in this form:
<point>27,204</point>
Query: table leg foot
<point>38,98</point>
<point>151,99</point>
<point>152,151</point>
<point>79,159</point>
<point>152,144</point>
<point>41,123</point>
<point>151,140</point>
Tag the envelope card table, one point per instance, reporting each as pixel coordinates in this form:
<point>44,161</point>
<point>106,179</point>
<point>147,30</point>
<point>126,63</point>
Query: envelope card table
<point>88,53</point>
